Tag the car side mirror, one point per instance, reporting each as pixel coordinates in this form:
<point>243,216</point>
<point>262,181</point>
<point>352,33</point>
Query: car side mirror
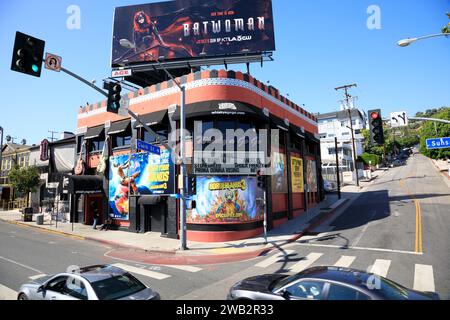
<point>41,289</point>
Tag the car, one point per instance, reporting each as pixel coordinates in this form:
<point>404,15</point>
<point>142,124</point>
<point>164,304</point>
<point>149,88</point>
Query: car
<point>101,282</point>
<point>397,163</point>
<point>328,186</point>
<point>324,283</point>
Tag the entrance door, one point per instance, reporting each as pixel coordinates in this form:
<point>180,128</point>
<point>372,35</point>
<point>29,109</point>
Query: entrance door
<point>155,218</point>
<point>91,203</point>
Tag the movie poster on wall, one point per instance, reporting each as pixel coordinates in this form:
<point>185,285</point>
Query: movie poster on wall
<point>227,200</point>
<point>279,173</point>
<point>297,175</point>
<point>311,171</point>
<point>140,174</point>
<point>190,29</point>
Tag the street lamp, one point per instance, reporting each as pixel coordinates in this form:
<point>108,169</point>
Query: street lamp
<point>407,42</point>
<point>127,44</point>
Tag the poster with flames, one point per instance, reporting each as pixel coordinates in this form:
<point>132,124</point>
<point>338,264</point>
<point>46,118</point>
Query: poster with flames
<point>186,29</point>
<point>227,200</point>
<point>140,174</point>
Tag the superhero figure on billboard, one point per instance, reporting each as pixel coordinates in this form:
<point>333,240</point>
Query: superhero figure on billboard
<point>145,32</point>
<point>124,179</point>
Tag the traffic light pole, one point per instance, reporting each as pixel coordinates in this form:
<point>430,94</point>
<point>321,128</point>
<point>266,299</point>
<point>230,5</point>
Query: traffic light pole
<point>70,73</point>
<point>354,146</point>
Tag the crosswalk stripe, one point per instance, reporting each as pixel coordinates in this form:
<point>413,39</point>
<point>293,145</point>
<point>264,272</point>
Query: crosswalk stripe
<point>7,293</point>
<point>345,261</point>
<point>380,267</point>
<point>143,272</point>
<point>185,268</point>
<point>303,264</point>
<point>37,276</point>
<point>267,262</point>
<point>423,278</point>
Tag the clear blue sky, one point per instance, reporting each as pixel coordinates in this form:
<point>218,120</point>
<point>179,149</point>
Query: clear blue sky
<point>321,44</point>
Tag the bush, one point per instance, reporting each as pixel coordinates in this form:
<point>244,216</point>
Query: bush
<point>370,159</point>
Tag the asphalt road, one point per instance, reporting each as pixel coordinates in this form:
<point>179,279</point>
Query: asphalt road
<point>398,227</point>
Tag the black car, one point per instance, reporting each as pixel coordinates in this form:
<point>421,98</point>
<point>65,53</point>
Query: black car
<point>324,283</point>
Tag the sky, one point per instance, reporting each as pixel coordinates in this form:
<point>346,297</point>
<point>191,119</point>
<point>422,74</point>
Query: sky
<point>320,45</point>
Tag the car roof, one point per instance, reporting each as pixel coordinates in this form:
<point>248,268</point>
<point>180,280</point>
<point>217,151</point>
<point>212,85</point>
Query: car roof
<point>100,272</point>
<point>349,276</point>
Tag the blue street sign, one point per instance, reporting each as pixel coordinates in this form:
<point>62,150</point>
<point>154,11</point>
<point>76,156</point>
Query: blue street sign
<point>438,143</point>
<point>144,146</point>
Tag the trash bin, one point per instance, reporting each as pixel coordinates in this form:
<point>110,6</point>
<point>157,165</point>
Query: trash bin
<point>28,214</point>
<point>40,219</point>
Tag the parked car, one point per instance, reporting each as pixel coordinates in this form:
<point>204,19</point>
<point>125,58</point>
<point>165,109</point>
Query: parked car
<point>102,282</point>
<point>324,283</point>
<point>397,163</point>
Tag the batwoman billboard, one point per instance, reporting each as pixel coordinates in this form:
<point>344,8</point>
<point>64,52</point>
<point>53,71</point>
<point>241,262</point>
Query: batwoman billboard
<point>140,174</point>
<point>227,200</point>
<point>187,29</point>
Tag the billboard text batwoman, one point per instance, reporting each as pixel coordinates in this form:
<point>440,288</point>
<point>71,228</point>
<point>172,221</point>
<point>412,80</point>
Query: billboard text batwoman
<point>191,28</point>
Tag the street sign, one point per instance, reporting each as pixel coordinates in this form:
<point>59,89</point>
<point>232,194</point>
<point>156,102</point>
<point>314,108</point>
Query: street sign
<point>399,119</point>
<point>122,73</point>
<point>144,146</point>
<point>438,143</point>
<point>53,62</point>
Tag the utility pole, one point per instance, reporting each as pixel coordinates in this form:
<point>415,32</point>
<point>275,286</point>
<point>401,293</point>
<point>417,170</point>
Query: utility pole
<point>338,177</point>
<point>53,135</point>
<point>347,104</point>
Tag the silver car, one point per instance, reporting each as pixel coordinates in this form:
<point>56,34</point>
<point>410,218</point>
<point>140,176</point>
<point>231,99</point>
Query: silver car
<point>103,282</point>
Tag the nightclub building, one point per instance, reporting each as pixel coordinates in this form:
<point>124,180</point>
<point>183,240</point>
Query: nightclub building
<point>139,189</point>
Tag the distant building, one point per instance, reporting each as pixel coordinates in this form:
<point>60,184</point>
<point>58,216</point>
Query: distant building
<point>337,124</point>
<point>13,154</point>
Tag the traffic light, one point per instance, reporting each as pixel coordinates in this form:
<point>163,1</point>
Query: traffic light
<point>27,55</point>
<point>114,97</point>
<point>192,185</point>
<point>376,127</point>
<point>261,180</point>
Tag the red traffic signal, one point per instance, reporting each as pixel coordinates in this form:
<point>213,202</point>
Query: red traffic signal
<point>376,127</point>
<point>374,115</point>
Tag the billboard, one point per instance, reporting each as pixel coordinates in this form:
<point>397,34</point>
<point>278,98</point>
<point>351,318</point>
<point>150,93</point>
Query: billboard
<point>297,175</point>
<point>279,173</point>
<point>139,174</point>
<point>311,171</point>
<point>187,29</point>
<point>227,200</point>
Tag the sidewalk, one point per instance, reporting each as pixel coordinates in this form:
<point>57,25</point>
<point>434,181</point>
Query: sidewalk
<point>154,247</point>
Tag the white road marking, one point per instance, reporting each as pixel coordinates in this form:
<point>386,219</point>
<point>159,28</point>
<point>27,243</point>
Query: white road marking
<point>269,261</point>
<point>345,261</point>
<point>37,276</point>
<point>354,248</point>
<point>380,267</point>
<point>7,293</point>
<point>361,234</point>
<point>303,264</point>
<point>185,268</point>
<point>143,272</point>
<point>20,264</point>
<point>424,278</point>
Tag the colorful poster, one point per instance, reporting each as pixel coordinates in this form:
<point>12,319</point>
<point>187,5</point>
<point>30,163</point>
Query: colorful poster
<point>191,29</point>
<point>279,173</point>
<point>144,174</point>
<point>227,200</point>
<point>297,175</point>
<point>311,179</point>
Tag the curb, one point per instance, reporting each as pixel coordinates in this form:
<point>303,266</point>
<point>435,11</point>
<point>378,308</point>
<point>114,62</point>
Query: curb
<point>116,245</point>
<point>61,233</point>
<point>443,172</point>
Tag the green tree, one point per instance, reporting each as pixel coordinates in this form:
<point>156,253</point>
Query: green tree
<point>446,29</point>
<point>428,131</point>
<point>24,180</point>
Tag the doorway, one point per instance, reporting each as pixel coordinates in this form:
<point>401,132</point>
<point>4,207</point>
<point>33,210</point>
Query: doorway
<point>91,203</point>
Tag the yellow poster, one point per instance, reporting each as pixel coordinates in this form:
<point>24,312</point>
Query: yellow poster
<point>297,175</point>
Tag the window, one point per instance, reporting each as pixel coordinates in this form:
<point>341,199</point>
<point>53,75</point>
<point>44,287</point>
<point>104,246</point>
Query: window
<point>337,292</point>
<point>57,285</point>
<point>331,135</point>
<point>121,140</point>
<point>311,290</point>
<point>345,133</point>
<point>75,288</point>
<point>117,287</point>
<point>96,144</point>
<point>161,130</point>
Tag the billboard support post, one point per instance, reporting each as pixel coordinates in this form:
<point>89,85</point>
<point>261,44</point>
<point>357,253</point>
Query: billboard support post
<point>183,170</point>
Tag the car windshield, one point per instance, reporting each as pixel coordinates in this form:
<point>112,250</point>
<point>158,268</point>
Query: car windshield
<point>117,287</point>
<point>278,284</point>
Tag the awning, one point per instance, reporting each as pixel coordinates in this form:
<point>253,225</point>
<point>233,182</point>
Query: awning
<point>94,132</point>
<point>312,137</point>
<point>298,131</point>
<point>119,127</point>
<point>220,107</point>
<point>279,123</point>
<point>85,184</point>
<point>151,119</point>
